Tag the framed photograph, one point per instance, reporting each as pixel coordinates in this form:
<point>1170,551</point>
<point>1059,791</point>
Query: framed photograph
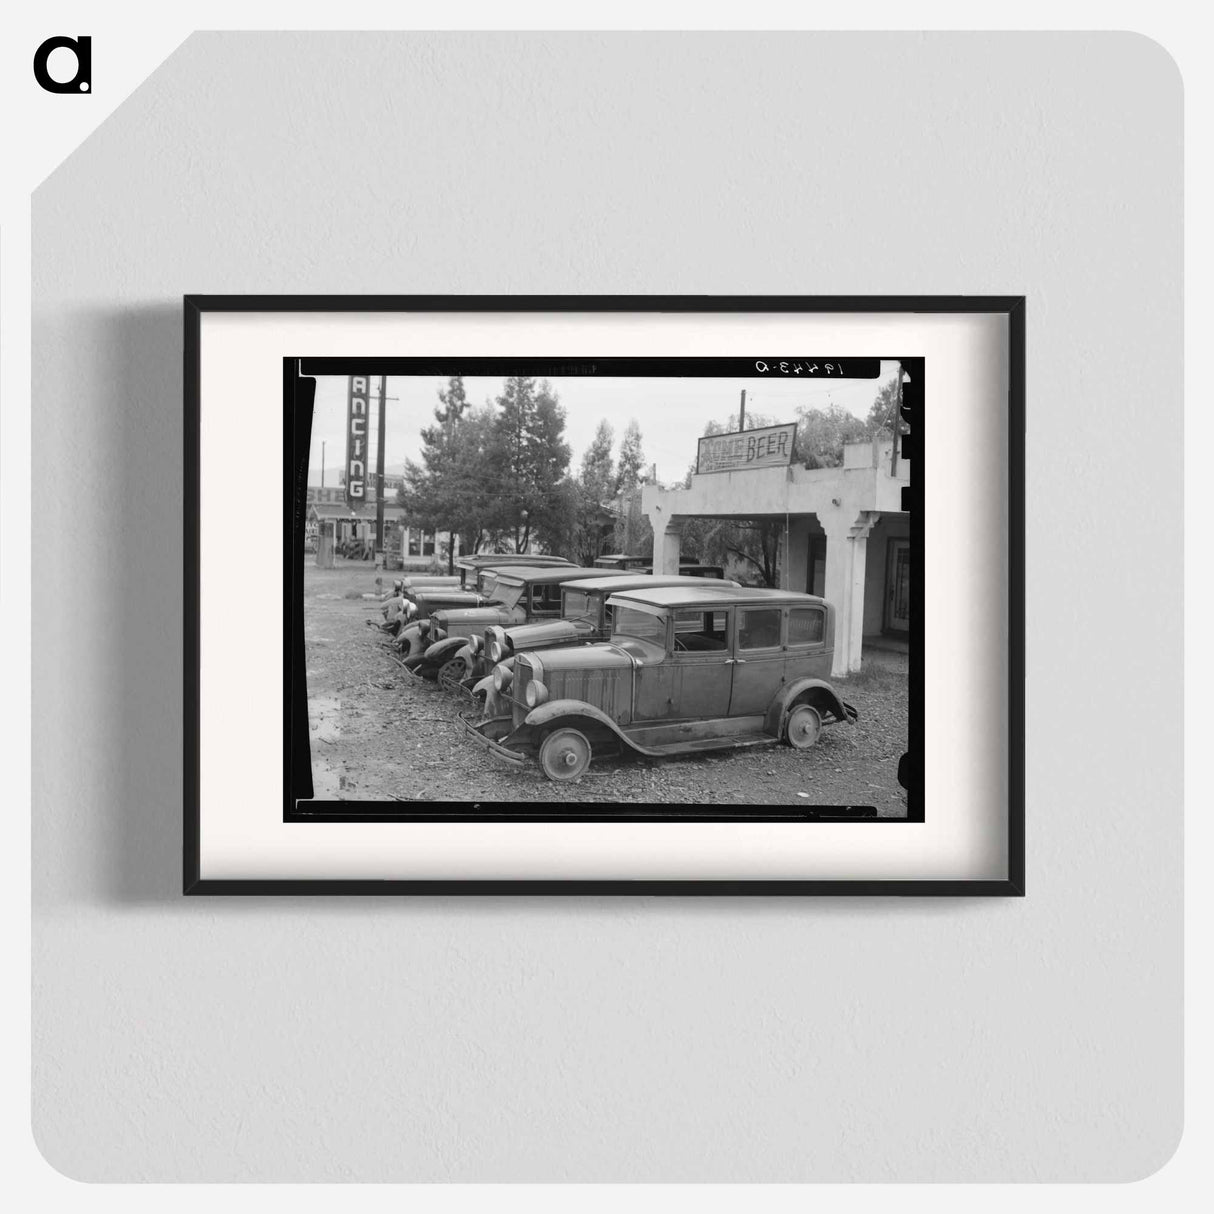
<point>684,595</point>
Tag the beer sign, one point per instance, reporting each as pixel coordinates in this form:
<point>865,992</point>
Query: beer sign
<point>356,440</point>
<point>769,447</point>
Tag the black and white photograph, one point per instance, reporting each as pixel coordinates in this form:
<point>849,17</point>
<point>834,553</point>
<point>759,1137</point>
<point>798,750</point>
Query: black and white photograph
<point>644,587</point>
<point>606,594</point>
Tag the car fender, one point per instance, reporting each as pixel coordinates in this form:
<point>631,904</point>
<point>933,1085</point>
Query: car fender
<point>824,695</point>
<point>411,642</point>
<point>556,710</point>
<point>440,651</point>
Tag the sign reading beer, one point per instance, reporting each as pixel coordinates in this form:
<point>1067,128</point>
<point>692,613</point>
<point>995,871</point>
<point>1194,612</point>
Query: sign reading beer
<point>770,447</point>
<point>356,440</point>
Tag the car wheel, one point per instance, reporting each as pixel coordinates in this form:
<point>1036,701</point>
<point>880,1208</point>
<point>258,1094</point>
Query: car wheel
<point>804,727</point>
<point>451,672</point>
<point>564,754</point>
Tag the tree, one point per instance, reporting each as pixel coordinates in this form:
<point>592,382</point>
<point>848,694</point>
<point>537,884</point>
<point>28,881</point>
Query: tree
<point>756,544</point>
<point>883,417</point>
<point>598,469</point>
<point>529,461</point>
<point>633,531</point>
<point>453,402</point>
<point>588,496</point>
<point>822,433</point>
<point>470,479</point>
<point>445,491</point>
<point>631,469</point>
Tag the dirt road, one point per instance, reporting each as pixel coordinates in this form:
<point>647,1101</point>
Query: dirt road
<point>379,734</point>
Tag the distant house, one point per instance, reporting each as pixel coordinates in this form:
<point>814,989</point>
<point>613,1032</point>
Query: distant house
<point>328,504</point>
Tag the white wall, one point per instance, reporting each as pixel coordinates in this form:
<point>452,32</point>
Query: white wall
<point>626,1039</point>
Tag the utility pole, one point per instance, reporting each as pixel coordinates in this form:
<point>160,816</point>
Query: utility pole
<point>893,461</point>
<point>742,412</point>
<point>379,469</point>
<point>322,463</point>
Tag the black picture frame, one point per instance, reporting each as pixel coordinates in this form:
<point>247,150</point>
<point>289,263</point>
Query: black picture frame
<point>1011,307</point>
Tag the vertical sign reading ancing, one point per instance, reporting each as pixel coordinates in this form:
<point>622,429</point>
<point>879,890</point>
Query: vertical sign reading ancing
<point>356,441</point>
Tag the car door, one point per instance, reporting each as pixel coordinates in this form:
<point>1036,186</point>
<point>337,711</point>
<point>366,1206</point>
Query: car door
<point>759,659</point>
<point>693,680</point>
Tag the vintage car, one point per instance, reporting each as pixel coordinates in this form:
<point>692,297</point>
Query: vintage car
<point>620,560</point>
<point>520,595</point>
<point>423,603</point>
<point>585,618</point>
<point>691,569</point>
<point>685,670</point>
<point>688,567</point>
<point>417,580</point>
<point>470,566</point>
<point>414,635</point>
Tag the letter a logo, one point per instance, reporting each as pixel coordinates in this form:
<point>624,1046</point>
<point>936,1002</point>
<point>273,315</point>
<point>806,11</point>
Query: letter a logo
<point>82,81</point>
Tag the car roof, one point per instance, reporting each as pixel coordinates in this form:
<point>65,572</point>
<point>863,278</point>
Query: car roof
<point>482,559</point>
<point>684,596</point>
<point>641,581</point>
<point>557,573</point>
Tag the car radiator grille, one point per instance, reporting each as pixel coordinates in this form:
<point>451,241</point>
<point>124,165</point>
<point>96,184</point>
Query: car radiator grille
<point>518,689</point>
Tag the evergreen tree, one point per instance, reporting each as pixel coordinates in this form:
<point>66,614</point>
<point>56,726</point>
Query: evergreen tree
<point>631,470</point>
<point>590,497</point>
<point>529,461</point>
<point>444,492</point>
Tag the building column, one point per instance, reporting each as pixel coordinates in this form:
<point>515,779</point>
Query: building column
<point>667,542</point>
<point>846,558</point>
<point>794,567</point>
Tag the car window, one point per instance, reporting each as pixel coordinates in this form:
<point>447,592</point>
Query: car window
<point>759,628</point>
<point>629,622</point>
<point>698,631</point>
<point>578,605</point>
<point>806,625</point>
<point>546,599</point>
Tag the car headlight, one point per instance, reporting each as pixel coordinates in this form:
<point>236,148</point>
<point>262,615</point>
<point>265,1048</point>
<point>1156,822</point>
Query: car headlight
<point>424,627</point>
<point>495,650</point>
<point>503,676</point>
<point>535,694</point>
<point>475,642</point>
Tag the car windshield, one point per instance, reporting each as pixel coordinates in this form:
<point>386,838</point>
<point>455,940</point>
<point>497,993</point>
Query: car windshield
<point>581,605</point>
<point>638,625</point>
<point>507,594</point>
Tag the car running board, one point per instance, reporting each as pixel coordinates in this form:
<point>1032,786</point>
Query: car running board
<point>725,742</point>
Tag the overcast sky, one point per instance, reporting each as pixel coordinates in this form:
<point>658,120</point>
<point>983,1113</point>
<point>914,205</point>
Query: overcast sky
<point>672,413</point>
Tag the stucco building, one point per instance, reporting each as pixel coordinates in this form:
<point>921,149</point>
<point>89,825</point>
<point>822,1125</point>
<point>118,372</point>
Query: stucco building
<point>846,537</point>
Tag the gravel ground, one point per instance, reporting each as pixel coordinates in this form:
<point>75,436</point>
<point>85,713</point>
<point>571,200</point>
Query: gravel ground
<point>379,734</point>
